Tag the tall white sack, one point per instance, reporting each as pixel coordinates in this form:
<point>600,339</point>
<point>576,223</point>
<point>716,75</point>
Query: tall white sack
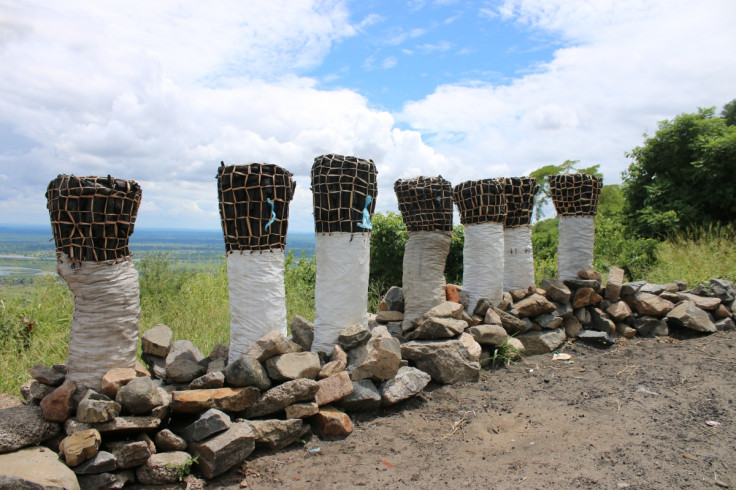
<point>575,246</point>
<point>425,254</point>
<point>483,267</point>
<point>104,328</point>
<point>341,289</point>
<point>257,297</point>
<point>518,265</point>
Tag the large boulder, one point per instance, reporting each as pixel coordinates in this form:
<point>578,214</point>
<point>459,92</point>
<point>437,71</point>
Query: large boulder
<point>688,315</point>
<point>225,450</point>
<point>445,361</point>
<point>35,467</point>
<point>24,426</point>
<point>542,341</point>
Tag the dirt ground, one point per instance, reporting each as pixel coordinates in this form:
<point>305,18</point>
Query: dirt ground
<point>644,413</point>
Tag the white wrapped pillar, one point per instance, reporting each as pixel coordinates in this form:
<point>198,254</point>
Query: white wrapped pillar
<point>575,197</point>
<point>341,289</point>
<point>483,263</point>
<point>518,266</point>
<point>344,197</point>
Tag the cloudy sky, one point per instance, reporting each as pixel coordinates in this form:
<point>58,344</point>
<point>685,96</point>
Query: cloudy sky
<point>161,92</point>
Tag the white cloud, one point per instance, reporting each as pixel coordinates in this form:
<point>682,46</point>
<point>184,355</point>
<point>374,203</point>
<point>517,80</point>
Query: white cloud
<point>628,65</point>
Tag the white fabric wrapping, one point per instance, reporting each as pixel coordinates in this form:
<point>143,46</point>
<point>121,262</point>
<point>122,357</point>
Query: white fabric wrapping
<point>341,289</point>
<point>483,263</point>
<point>104,330</point>
<point>257,298</point>
<point>518,265</point>
<point>425,255</point>
<point>575,248</point>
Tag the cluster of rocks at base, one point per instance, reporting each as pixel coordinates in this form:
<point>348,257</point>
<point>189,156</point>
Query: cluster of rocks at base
<point>150,424</point>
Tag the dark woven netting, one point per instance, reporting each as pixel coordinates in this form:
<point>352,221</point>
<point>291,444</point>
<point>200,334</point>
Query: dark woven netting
<point>520,192</point>
<point>341,188</point>
<point>425,203</point>
<point>575,194</point>
<point>92,218</point>
<point>249,221</point>
<point>480,201</point>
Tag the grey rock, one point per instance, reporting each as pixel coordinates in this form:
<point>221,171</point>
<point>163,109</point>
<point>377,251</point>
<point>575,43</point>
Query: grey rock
<point>631,288</point>
<point>601,322</point>
<point>648,304</point>
<point>596,336</point>
<point>446,309</point>
<point>378,359</point>
<point>220,352</point>
<point>548,321</point>
<point>488,334</point>
<point>184,349</point>
<point>723,290</point>
<point>46,375</point>
<point>387,316</point>
<point>100,463</point>
<point>247,371</point>
<point>24,426</point>
<point>184,370</point>
<point>216,365</point>
<point>161,468</point>
<point>156,365</point>
<point>128,453</point>
<point>225,450</point>
<point>157,340</point>
<point>688,315</point>
<point>436,328</point>
<point>582,283</point>
<point>302,332</point>
<point>277,434</point>
<point>572,326</point>
<point>127,425</point>
<point>614,283</point>
<point>95,407</point>
<point>445,361</point>
<point>33,392</point>
<point>564,310</point>
<point>139,396</point>
<point>394,299</point>
<point>481,307</point>
<point>583,316</point>
<point>702,302</point>
<point>214,379</point>
<point>464,297</point>
<point>35,468</point>
<point>293,366</point>
<point>365,396</point>
<point>543,341</point>
<point>272,344</point>
<point>209,423</point>
<point>166,440</point>
<point>619,310</point>
<point>656,289</point>
<point>280,397</point>
<point>407,383</point>
<point>100,481</point>
<point>648,326</point>
<point>353,336</point>
<point>725,325</point>
<point>556,290</point>
<point>512,324</point>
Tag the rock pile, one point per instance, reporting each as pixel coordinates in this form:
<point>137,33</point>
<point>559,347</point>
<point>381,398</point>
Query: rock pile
<point>151,425</point>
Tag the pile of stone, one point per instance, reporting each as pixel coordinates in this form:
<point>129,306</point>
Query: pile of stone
<point>187,411</point>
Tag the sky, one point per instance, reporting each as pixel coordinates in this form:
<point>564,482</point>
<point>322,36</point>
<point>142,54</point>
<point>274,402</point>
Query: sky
<point>161,92</point>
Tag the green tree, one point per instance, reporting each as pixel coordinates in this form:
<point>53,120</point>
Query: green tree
<point>541,175</point>
<point>683,176</point>
<point>729,113</point>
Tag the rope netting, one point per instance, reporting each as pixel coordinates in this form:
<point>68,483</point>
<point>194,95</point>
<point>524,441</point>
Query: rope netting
<point>343,193</point>
<point>92,218</point>
<point>254,205</point>
<point>425,203</point>
<point>575,194</point>
<point>480,201</point>
<point>519,192</point>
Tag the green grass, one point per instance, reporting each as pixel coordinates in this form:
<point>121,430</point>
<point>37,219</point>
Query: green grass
<point>697,257</point>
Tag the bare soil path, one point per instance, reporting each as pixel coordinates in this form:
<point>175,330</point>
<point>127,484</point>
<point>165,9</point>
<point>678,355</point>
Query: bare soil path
<point>644,413</point>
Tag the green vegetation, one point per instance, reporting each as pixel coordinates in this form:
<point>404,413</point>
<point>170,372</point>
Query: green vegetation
<point>683,176</point>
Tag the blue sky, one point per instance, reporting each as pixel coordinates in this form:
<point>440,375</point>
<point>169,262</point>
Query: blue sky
<point>161,92</point>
